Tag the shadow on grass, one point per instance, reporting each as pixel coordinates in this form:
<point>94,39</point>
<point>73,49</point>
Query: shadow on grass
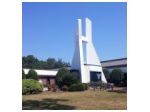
<point>122,90</point>
<point>46,104</point>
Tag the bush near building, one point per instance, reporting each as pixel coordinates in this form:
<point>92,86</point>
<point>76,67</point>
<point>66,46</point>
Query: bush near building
<point>64,77</point>
<point>125,79</point>
<point>69,80</point>
<point>77,87</point>
<point>32,74</point>
<point>116,76</point>
<point>107,74</point>
<point>31,86</point>
<point>76,74</point>
<point>86,86</point>
<point>64,88</point>
<point>60,76</point>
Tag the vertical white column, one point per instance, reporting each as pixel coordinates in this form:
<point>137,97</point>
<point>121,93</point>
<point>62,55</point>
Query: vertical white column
<point>91,52</point>
<point>76,58</point>
<point>88,29</point>
<point>82,70</point>
<point>79,28</point>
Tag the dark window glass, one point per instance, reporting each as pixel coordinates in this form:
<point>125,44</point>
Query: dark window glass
<point>95,76</point>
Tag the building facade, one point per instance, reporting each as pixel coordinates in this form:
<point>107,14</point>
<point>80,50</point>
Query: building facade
<point>115,64</point>
<point>86,60</point>
<point>47,77</point>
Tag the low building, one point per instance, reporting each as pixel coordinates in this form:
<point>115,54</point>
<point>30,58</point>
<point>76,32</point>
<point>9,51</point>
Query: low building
<point>45,76</point>
<point>115,64</point>
<point>48,76</point>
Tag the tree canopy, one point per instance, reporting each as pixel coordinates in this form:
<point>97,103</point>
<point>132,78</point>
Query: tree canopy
<point>64,77</point>
<point>32,75</point>
<point>31,61</point>
<point>116,76</point>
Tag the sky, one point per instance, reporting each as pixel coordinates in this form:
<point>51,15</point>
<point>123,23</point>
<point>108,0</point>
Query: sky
<point>48,29</point>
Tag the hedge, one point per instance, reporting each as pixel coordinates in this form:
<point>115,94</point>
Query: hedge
<point>78,87</point>
<point>31,86</point>
<point>64,77</point>
<point>85,86</point>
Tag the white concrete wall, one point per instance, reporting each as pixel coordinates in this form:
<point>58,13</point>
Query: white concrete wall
<point>91,57</point>
<point>87,71</point>
<point>43,72</point>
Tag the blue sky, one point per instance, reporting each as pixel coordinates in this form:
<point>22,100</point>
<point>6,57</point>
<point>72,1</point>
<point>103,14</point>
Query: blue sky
<point>48,29</point>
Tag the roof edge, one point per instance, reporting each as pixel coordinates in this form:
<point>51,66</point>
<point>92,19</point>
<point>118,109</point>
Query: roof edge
<point>114,60</point>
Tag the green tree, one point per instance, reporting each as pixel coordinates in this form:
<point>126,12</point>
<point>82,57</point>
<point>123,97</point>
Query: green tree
<point>116,76</point>
<point>23,74</point>
<point>107,74</point>
<point>29,62</point>
<point>51,62</point>
<point>60,76</point>
<point>41,65</point>
<point>32,75</point>
<point>32,62</point>
<point>64,77</point>
<point>76,75</point>
<point>69,80</point>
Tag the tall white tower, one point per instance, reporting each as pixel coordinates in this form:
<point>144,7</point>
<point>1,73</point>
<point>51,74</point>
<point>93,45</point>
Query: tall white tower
<point>86,60</point>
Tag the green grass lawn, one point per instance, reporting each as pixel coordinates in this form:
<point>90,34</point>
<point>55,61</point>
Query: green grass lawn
<point>86,100</point>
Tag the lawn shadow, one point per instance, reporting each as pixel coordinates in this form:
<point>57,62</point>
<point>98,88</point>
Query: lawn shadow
<point>122,90</point>
<point>46,104</point>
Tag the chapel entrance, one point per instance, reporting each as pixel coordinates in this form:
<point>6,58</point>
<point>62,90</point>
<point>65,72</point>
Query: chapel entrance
<point>95,76</point>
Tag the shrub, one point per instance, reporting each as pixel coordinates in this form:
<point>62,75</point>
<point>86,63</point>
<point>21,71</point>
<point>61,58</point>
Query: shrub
<point>31,86</point>
<point>107,74</point>
<point>60,76</point>
<point>23,74</point>
<point>77,87</point>
<point>85,86</point>
<point>65,88</point>
<point>116,76</point>
<point>76,74</point>
<point>64,77</point>
<point>68,80</point>
<point>32,75</point>
<point>125,79</point>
